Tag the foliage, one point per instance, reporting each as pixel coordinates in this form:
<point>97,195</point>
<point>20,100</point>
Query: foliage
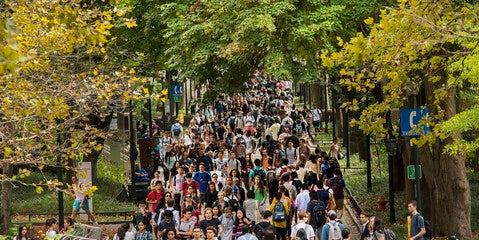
<point>226,42</point>
<point>114,172</point>
<point>411,45</point>
<point>58,79</point>
<point>421,49</point>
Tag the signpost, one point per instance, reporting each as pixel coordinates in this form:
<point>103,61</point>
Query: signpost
<point>411,119</point>
<point>413,124</point>
<point>177,90</point>
<point>411,172</point>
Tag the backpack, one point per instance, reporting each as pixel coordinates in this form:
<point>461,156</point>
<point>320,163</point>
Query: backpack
<point>281,154</point>
<point>260,173</point>
<point>234,204</point>
<point>389,234</point>
<point>428,234</point>
<point>319,214</point>
<point>301,234</point>
<point>337,188</point>
<point>270,176</point>
<point>279,212</point>
<point>232,121</point>
<point>334,231</point>
<point>299,127</point>
<point>176,129</point>
<point>262,230</point>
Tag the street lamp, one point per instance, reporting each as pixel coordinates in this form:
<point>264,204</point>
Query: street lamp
<point>391,148</point>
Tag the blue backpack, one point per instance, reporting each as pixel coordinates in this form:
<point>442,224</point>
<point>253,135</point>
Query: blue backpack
<point>176,129</point>
<point>279,213</point>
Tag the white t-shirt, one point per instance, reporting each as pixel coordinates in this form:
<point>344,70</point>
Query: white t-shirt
<point>309,230</point>
<point>128,236</point>
<point>316,114</point>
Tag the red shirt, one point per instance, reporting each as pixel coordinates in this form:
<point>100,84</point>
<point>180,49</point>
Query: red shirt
<point>154,195</point>
<point>184,187</point>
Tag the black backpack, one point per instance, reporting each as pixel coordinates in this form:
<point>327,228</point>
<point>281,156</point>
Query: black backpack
<point>234,204</point>
<point>260,173</point>
<point>389,234</point>
<point>319,214</point>
<point>301,234</point>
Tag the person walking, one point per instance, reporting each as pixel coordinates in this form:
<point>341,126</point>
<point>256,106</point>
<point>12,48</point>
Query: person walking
<point>418,227</point>
<point>81,200</point>
<point>303,225</point>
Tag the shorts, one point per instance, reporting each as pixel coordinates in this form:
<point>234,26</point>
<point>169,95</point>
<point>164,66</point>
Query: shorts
<point>86,206</point>
<point>316,124</point>
<point>339,203</point>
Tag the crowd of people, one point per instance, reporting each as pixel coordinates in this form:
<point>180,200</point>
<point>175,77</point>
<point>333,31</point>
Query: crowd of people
<point>244,168</point>
<point>207,174</point>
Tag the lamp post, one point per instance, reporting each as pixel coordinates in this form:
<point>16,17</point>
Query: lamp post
<point>61,213</point>
<point>133,152</point>
<point>391,148</point>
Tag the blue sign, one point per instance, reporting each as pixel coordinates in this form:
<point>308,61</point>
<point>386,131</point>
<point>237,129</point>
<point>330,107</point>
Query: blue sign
<point>414,122</point>
<point>176,90</point>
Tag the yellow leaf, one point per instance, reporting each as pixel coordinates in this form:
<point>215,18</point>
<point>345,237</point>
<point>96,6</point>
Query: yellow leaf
<point>145,90</point>
<point>7,152</point>
<point>39,190</point>
<point>340,41</point>
<point>369,21</point>
<point>95,72</point>
<point>132,71</point>
<point>164,91</point>
<point>94,188</point>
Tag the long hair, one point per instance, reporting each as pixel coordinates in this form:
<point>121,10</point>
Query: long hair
<point>19,236</point>
<point>261,186</point>
<point>378,225</point>
<point>237,220</point>
<point>121,232</point>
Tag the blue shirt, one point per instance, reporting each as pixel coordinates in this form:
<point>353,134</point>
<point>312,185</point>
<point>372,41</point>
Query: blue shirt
<point>248,236</point>
<point>145,236</point>
<point>325,231</point>
<point>202,178</point>
<point>417,222</point>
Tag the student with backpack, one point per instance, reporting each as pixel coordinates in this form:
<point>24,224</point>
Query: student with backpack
<point>302,230</point>
<point>332,229</point>
<point>280,210</point>
<point>377,231</point>
<point>265,227</point>
<point>418,225</point>
<point>316,210</point>
<point>337,185</point>
<point>257,171</point>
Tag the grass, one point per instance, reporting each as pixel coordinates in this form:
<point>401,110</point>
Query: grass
<point>26,200</point>
<point>356,182</point>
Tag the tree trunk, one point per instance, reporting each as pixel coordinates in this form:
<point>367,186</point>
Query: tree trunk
<point>6,202</point>
<point>103,125</point>
<point>449,190</point>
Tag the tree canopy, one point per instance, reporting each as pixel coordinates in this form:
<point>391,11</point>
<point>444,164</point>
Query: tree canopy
<point>425,50</point>
<point>226,42</point>
<point>57,79</point>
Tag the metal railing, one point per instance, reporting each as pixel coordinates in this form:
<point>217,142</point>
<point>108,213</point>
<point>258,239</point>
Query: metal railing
<point>125,214</point>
